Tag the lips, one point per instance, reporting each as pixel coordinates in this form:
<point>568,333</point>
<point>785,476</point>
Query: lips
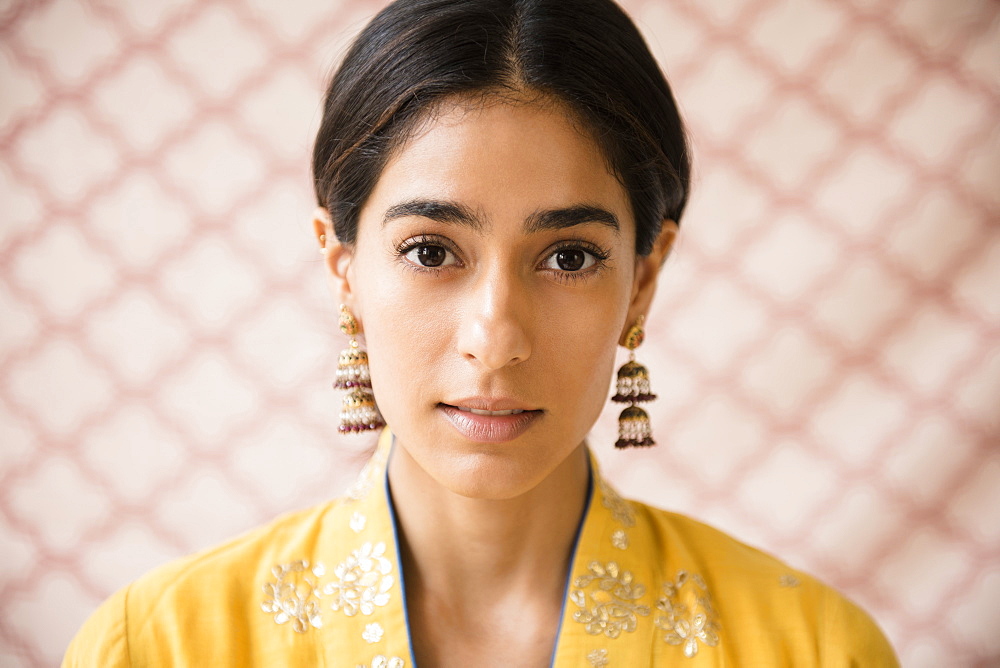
<point>484,421</point>
<point>476,411</point>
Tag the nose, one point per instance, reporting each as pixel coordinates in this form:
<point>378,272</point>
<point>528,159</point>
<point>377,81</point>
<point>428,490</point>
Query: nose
<point>495,330</point>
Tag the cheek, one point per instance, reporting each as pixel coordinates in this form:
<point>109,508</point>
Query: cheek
<point>580,351</point>
<point>403,334</point>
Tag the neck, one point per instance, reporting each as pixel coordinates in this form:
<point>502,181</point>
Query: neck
<point>460,554</point>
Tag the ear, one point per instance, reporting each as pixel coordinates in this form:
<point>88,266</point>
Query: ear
<point>337,257</point>
<point>647,271</point>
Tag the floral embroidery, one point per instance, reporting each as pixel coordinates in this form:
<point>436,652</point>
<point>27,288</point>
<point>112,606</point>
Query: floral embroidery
<point>614,599</point>
<point>360,488</point>
<point>620,509</point>
<point>294,595</point>
<point>620,539</point>
<point>788,580</point>
<point>366,479</point>
<point>598,658</point>
<point>373,633</point>
<point>687,616</point>
<point>363,581</point>
<point>358,522</point>
<point>380,661</point>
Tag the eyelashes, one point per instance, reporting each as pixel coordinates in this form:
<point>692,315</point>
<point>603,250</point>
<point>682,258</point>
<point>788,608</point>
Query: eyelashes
<point>427,252</point>
<point>566,261</point>
<point>576,256</point>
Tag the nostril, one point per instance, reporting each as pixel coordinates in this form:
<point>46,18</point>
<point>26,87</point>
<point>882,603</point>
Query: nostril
<point>494,341</point>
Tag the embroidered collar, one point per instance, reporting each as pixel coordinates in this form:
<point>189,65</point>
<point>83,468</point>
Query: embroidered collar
<point>357,608</point>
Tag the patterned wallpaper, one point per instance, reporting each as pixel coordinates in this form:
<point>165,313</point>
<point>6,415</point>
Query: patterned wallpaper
<point>825,342</point>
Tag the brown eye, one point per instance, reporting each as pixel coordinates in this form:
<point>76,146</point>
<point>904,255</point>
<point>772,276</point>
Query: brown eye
<point>430,256</point>
<point>571,260</point>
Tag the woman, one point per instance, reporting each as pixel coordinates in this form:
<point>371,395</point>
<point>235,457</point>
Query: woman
<point>499,183</point>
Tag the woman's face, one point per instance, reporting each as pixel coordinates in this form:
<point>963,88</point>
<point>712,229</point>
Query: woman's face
<point>494,269</point>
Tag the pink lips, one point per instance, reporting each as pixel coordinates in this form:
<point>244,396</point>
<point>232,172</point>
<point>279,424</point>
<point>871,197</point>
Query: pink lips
<point>489,428</point>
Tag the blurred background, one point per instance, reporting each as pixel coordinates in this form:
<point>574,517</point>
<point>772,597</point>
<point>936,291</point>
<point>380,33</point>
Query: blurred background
<point>825,341</point>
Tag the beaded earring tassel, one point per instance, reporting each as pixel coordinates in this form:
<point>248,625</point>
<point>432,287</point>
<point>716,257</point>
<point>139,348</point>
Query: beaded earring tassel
<point>634,429</point>
<point>358,412</point>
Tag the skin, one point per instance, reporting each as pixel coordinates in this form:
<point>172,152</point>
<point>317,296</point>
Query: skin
<point>487,529</point>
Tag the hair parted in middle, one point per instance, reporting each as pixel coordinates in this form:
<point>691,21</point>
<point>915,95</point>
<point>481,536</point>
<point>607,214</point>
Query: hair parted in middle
<point>585,54</point>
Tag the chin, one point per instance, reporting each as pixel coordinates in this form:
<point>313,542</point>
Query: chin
<point>489,477</point>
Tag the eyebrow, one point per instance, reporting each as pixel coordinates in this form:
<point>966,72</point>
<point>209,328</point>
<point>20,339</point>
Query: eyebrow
<point>445,212</point>
<point>557,219</point>
<point>458,214</point>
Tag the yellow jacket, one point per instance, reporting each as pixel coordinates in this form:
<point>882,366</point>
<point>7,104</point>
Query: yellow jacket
<point>323,587</point>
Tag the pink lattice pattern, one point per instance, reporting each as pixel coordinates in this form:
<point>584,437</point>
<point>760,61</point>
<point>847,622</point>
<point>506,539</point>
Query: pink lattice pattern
<point>826,340</point>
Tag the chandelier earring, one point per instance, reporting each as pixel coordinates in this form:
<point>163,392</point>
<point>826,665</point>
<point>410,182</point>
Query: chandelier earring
<point>358,412</point>
<point>634,429</point>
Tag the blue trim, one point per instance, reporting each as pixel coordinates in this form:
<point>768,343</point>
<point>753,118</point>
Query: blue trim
<point>399,559</point>
<point>569,573</point>
<point>576,547</point>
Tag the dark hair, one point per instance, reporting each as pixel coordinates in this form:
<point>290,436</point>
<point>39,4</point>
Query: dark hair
<point>586,53</point>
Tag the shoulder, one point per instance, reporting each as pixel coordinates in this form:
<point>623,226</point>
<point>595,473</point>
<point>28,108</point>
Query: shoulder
<point>102,639</point>
<point>218,587</point>
<point>710,547</point>
<point>763,607</point>
<point>227,570</point>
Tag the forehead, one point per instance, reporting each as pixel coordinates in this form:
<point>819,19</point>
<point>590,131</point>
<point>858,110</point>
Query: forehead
<point>502,156</point>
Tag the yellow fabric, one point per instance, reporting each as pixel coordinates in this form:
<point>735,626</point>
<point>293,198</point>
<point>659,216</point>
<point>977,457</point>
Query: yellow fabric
<point>323,588</point>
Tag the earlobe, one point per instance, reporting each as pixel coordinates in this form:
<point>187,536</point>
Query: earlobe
<point>336,256</point>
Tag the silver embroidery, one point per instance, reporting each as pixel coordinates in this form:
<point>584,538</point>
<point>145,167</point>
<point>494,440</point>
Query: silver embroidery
<point>366,479</point>
<point>360,488</point>
<point>294,595</point>
<point>363,581</point>
<point>688,616</point>
<point>613,606</point>
<point>598,658</point>
<point>620,539</point>
<point>380,661</point>
<point>620,509</point>
<point>372,633</point>
<point>358,522</point>
<point>788,580</point>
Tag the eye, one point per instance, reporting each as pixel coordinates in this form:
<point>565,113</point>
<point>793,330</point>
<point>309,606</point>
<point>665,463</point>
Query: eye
<point>429,255</point>
<point>570,259</point>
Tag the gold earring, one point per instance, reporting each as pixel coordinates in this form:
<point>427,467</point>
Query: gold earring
<point>359,412</point>
<point>634,429</point>
<point>322,243</point>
